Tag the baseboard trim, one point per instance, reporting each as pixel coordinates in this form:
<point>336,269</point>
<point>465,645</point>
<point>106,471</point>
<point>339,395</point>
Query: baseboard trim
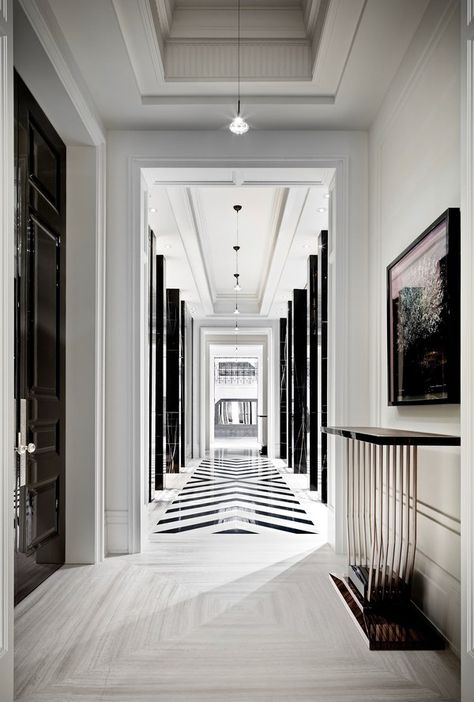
<point>116,531</point>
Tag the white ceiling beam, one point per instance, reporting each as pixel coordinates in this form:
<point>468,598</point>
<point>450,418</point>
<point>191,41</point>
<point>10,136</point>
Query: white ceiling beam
<point>294,205</point>
<point>184,215</point>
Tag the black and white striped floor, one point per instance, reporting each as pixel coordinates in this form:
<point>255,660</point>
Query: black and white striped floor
<point>235,495</point>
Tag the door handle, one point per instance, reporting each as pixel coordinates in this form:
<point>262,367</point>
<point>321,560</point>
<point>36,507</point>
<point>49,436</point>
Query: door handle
<point>21,449</point>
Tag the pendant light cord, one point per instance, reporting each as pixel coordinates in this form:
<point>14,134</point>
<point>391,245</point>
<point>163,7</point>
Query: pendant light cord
<point>238,57</point>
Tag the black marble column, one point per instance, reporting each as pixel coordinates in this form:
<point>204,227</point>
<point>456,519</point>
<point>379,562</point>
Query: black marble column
<point>300,378</point>
<point>283,389</point>
<point>323,378</point>
<point>313,405</point>
<point>173,380</point>
<point>289,386</point>
<point>183,381</point>
<point>160,374</point>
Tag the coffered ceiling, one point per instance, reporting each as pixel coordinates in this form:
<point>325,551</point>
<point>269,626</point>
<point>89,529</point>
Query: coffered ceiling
<point>195,223</point>
<point>282,41</point>
<point>172,64</point>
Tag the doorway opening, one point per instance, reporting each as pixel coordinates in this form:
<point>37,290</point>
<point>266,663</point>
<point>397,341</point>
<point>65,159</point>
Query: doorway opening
<point>235,399</point>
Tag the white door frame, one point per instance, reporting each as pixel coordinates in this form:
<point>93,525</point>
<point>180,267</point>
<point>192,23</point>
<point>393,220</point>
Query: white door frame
<point>137,226</point>
<point>467,351</point>
<point>7,248</point>
<point>224,349</point>
<point>212,337</point>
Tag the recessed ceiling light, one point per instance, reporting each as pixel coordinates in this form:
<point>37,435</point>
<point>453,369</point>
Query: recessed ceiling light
<point>321,209</point>
<point>327,196</point>
<point>306,246</point>
<point>168,246</point>
<point>152,209</point>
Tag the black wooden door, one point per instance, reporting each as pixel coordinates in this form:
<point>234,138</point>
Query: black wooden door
<point>40,286</point>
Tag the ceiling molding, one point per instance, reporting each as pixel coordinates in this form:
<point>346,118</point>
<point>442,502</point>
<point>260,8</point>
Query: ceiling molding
<point>143,41</point>
<point>341,22</point>
<point>294,205</point>
<point>292,100</point>
<point>184,214</point>
<point>201,233</point>
<point>215,60</point>
<point>164,9</point>
<point>284,43</point>
<point>279,204</point>
<point>51,37</point>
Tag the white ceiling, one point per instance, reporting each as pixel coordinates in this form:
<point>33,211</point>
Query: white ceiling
<point>159,64</point>
<point>172,64</point>
<point>193,217</point>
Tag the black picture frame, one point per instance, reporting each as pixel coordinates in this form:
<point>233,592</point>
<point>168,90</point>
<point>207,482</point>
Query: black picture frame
<point>423,323</point>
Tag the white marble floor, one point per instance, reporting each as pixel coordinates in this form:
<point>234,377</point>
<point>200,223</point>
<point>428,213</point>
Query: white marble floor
<point>218,618</point>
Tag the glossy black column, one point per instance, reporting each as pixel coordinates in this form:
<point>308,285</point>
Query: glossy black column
<point>173,380</point>
<point>300,377</point>
<point>183,381</point>
<point>323,378</point>
<point>289,386</point>
<point>160,373</point>
<point>313,405</point>
<point>283,390</point>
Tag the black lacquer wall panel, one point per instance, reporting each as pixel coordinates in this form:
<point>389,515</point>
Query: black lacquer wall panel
<point>151,364</point>
<point>283,388</point>
<point>289,386</point>
<point>300,373</point>
<point>173,380</point>
<point>323,317</point>
<point>160,374</point>
<point>313,428</point>
<point>183,381</point>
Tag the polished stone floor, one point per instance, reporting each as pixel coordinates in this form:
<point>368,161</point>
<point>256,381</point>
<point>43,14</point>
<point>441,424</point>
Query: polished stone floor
<point>200,617</point>
<point>235,494</point>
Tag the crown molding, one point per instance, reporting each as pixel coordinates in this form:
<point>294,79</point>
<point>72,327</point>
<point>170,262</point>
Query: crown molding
<point>48,31</point>
<point>293,100</point>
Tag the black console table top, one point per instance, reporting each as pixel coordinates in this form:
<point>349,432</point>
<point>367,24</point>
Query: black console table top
<point>393,437</point>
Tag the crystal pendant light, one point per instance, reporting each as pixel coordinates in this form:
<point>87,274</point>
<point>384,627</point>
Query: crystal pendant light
<point>238,124</point>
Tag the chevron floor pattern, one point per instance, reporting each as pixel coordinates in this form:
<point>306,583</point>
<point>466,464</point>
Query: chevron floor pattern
<point>235,495</point>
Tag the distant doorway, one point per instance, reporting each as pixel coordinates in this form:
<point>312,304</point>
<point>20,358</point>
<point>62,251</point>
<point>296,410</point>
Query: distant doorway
<point>235,402</point>
<point>236,381</point>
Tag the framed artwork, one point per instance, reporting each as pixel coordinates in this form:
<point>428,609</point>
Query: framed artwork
<point>423,317</point>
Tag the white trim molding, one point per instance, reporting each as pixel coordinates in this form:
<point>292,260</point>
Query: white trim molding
<point>44,23</point>
<point>467,353</point>
<point>7,432</point>
<point>125,234</point>
<point>116,528</point>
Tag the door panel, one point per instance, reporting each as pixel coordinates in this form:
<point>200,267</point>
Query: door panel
<point>40,159</point>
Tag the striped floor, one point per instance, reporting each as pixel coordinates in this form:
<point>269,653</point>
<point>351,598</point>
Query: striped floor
<point>235,495</point>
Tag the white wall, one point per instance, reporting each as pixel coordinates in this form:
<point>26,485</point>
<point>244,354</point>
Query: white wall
<point>81,186</point>
<point>127,153</point>
<point>414,176</point>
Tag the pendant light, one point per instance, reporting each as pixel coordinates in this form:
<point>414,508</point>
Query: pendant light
<point>236,248</point>
<point>238,124</point>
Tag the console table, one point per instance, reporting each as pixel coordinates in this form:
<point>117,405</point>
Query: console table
<point>381,508</point>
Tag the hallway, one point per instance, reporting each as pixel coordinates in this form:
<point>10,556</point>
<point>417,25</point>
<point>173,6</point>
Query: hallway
<point>207,616</point>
